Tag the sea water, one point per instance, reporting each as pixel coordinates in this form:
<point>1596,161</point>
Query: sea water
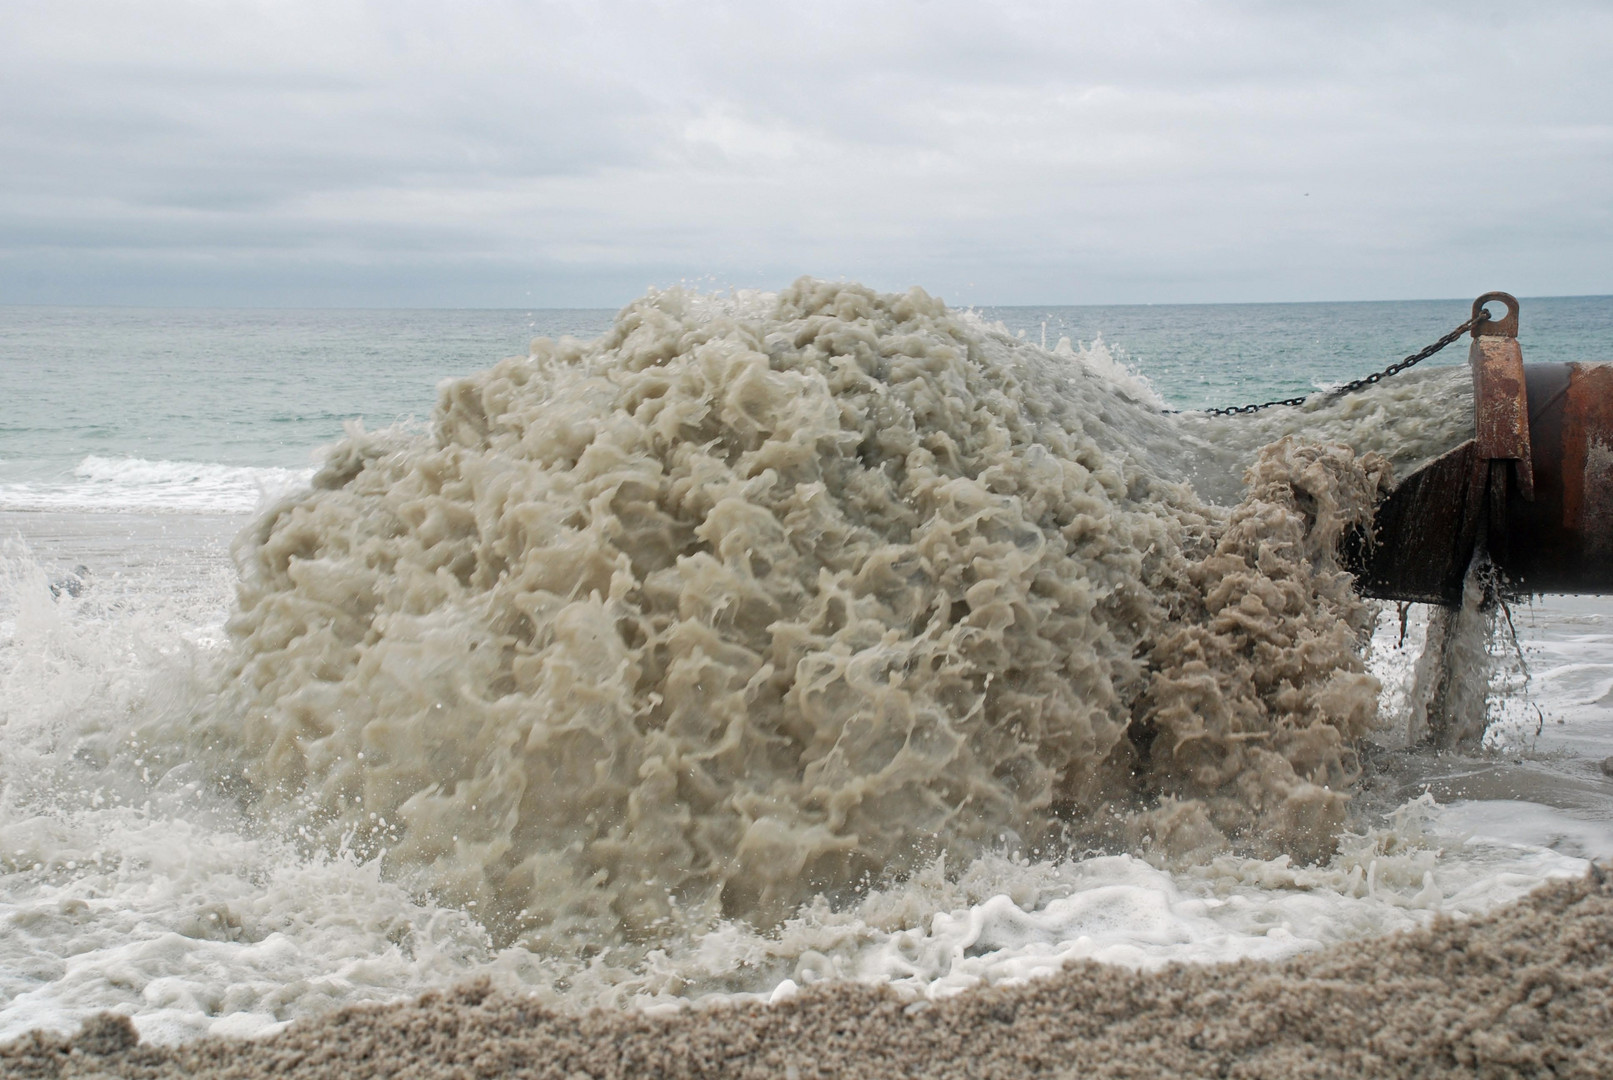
<point>135,445</point>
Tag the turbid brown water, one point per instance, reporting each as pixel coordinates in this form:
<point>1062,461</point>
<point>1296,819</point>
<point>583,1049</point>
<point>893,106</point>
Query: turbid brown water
<point>1525,991</point>
<point>718,614</point>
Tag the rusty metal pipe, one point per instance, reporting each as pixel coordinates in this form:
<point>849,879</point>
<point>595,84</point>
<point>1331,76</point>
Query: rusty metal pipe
<point>1533,489</point>
<point>1562,541</point>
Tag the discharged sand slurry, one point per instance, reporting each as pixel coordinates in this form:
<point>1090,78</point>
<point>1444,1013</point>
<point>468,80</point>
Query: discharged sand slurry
<point>1525,991</point>
<point>730,609</point>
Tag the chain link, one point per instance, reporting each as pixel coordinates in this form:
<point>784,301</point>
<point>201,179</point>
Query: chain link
<point>1362,383</point>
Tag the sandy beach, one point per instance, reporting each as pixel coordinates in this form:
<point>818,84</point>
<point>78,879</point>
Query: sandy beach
<point>1525,991</point>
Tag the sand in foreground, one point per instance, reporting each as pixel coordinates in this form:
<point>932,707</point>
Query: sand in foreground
<point>1526,991</point>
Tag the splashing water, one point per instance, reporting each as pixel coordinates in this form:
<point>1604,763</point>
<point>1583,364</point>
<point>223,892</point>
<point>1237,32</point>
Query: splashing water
<point>737,606</point>
<point>762,640</point>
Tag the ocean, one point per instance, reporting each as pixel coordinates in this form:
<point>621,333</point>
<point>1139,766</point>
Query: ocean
<point>223,807</point>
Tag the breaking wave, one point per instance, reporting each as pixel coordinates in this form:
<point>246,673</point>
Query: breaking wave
<point>103,483</point>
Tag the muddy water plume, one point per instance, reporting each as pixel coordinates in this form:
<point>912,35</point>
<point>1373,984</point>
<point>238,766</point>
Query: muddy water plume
<point>757,599</point>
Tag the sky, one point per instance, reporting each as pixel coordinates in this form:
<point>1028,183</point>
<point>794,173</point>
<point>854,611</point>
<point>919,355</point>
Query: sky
<point>504,154</point>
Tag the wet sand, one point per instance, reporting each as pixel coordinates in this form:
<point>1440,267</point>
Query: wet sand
<point>1525,991</point>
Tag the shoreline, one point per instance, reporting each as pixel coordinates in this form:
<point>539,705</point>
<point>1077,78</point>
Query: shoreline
<point>1524,990</point>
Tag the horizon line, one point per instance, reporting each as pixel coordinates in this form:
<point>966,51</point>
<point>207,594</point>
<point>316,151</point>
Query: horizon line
<point>618,307</point>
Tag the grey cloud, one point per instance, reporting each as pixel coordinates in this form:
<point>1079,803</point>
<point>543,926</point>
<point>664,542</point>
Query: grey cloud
<point>1161,150</point>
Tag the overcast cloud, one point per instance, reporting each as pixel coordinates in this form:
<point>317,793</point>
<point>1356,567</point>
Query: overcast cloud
<point>549,154</point>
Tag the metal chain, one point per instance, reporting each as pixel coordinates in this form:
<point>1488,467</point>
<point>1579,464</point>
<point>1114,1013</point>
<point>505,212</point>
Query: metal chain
<point>1363,383</point>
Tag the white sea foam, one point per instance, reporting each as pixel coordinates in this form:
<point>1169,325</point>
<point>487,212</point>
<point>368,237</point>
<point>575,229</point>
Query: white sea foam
<point>109,483</point>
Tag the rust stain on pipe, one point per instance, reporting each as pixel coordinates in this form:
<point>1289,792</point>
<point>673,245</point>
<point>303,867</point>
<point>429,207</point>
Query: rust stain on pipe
<point>1501,406</point>
<point>1500,399</point>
